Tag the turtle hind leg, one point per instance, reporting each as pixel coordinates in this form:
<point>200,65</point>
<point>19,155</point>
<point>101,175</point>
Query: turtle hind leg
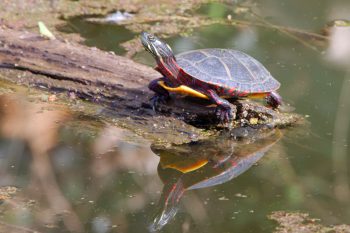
<point>161,95</point>
<point>273,99</point>
<point>224,112</point>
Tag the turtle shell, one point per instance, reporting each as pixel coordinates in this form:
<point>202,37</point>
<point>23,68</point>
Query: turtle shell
<point>227,68</point>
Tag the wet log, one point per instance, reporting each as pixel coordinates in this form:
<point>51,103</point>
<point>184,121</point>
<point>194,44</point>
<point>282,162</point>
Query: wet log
<point>114,81</point>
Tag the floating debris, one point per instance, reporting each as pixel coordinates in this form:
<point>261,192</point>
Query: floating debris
<point>7,192</point>
<point>223,198</point>
<point>114,18</point>
<point>118,17</point>
<point>240,195</point>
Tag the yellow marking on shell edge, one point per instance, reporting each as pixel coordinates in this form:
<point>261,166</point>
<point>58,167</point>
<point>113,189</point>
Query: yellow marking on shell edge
<point>257,95</point>
<point>184,90</point>
<point>189,168</point>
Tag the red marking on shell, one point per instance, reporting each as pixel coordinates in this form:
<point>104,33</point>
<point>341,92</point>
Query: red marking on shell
<point>231,91</point>
<point>242,94</point>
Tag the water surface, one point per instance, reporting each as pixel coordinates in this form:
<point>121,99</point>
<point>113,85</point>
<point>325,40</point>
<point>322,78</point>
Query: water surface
<point>105,179</point>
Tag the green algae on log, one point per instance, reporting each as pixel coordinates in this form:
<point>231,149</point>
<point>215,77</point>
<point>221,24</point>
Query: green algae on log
<point>117,83</point>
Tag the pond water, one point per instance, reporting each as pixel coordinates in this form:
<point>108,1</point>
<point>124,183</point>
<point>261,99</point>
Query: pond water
<point>101,178</point>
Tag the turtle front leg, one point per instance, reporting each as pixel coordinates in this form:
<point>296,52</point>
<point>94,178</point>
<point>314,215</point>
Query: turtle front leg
<point>224,111</point>
<point>161,95</point>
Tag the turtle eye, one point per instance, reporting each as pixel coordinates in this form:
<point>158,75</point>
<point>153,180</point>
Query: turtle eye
<point>151,38</point>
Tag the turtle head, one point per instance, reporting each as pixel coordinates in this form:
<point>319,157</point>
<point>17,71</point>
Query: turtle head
<point>158,48</point>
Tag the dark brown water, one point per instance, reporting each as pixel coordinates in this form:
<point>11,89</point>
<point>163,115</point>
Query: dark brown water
<point>105,179</point>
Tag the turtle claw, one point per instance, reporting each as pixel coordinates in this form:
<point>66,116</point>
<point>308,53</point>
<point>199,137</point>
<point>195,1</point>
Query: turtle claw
<point>158,99</point>
<point>225,115</point>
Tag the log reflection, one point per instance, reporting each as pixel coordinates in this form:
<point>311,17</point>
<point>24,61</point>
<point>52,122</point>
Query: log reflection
<point>36,125</point>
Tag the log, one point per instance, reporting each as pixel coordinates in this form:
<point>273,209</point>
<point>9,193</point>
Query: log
<point>92,74</point>
<point>118,83</point>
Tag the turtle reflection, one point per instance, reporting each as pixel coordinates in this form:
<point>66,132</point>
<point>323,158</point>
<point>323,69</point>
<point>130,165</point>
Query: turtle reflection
<point>203,164</point>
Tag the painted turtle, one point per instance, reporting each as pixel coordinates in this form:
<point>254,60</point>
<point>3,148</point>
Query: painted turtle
<point>213,74</point>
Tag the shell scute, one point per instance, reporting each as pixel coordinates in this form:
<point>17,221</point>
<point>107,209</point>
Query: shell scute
<point>213,66</point>
<point>194,56</point>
